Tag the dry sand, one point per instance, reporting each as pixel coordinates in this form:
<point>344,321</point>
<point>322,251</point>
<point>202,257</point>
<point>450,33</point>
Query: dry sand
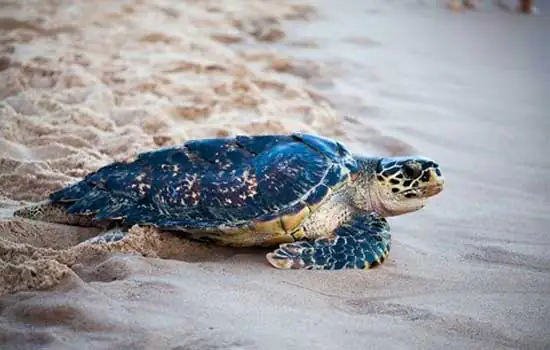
<point>84,83</point>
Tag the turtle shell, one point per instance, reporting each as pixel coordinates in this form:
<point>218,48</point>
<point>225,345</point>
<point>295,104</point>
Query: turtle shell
<point>219,187</point>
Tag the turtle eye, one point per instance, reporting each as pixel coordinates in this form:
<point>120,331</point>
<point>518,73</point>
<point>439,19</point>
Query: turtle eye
<point>426,176</point>
<point>412,170</point>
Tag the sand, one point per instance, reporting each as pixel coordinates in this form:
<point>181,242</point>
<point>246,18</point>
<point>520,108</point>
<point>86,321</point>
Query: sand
<point>85,83</point>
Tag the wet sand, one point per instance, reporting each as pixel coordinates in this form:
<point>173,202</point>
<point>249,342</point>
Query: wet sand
<point>471,270</point>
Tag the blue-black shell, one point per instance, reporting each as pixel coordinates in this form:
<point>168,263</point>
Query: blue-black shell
<point>209,183</point>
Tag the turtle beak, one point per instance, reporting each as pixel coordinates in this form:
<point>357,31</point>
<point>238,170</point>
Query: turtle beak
<point>435,184</point>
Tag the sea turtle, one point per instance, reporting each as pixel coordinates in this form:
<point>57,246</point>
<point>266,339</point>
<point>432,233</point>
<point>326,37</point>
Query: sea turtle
<point>325,206</point>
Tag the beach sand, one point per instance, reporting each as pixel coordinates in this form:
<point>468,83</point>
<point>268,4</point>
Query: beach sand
<point>90,82</point>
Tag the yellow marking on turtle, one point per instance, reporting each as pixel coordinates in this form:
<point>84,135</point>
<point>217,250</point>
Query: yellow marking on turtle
<point>245,229</point>
<point>291,221</point>
<point>257,233</point>
<point>242,236</point>
<point>378,261</point>
<point>299,234</point>
<point>273,226</point>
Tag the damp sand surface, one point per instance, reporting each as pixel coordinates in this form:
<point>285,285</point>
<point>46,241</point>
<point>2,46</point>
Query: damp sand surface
<point>89,84</point>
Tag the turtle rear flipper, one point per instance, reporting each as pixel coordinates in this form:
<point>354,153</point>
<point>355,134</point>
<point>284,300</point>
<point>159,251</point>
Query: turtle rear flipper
<point>57,213</point>
<point>361,243</point>
<point>113,235</point>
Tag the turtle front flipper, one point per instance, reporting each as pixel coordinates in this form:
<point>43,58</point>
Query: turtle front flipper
<point>360,243</point>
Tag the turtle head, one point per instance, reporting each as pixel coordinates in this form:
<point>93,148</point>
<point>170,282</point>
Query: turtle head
<point>401,185</point>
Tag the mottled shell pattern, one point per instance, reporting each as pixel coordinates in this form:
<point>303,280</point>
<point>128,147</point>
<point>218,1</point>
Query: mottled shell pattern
<point>230,190</point>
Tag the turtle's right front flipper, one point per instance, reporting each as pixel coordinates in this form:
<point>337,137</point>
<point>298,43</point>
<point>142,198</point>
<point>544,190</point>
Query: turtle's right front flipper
<point>361,243</point>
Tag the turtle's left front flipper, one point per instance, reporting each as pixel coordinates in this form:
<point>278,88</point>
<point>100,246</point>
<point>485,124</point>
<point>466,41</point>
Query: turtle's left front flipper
<point>361,243</point>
